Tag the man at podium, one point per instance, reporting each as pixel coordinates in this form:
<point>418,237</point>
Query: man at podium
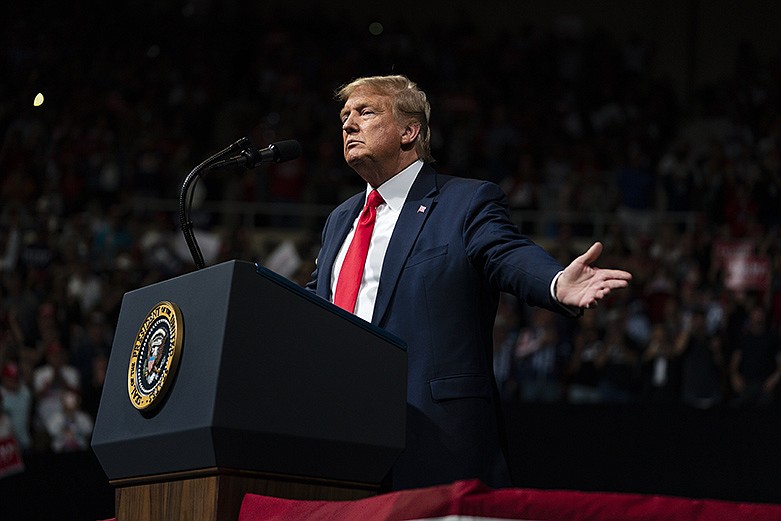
<point>425,256</point>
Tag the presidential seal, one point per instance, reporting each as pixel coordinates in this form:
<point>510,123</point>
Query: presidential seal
<point>155,356</point>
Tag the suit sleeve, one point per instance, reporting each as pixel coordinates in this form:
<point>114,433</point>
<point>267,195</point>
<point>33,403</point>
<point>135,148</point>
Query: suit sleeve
<point>510,261</point>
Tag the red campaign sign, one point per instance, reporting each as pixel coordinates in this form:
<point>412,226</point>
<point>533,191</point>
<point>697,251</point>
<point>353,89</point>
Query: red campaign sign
<point>10,457</point>
<point>749,272</point>
<point>743,269</point>
<point>726,249</point>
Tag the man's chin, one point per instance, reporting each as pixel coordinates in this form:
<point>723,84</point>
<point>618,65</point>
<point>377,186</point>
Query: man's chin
<point>354,159</point>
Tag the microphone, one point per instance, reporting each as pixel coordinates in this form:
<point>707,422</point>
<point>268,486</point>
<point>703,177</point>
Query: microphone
<point>252,157</point>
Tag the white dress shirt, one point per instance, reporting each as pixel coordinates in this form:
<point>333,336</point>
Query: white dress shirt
<point>394,192</point>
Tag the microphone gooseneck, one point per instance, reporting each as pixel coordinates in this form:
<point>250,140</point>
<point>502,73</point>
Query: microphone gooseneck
<point>249,156</point>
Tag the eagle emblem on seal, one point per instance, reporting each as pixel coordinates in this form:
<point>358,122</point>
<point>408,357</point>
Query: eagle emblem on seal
<point>155,355</point>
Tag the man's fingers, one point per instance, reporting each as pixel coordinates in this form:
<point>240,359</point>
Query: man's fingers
<point>619,275</point>
<point>592,254</point>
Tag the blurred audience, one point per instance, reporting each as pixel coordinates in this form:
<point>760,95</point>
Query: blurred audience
<point>584,137</point>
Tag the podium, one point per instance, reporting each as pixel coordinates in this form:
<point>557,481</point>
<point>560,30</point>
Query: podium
<point>271,390</point>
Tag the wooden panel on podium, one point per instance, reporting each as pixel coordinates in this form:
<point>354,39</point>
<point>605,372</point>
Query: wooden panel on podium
<point>216,494</point>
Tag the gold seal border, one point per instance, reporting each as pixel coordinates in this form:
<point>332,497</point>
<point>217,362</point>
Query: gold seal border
<point>172,312</point>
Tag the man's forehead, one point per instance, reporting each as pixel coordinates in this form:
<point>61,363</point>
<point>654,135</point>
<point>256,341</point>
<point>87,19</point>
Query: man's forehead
<point>363,96</point>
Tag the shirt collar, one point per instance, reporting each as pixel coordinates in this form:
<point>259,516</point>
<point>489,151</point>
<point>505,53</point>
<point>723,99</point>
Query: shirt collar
<point>394,191</point>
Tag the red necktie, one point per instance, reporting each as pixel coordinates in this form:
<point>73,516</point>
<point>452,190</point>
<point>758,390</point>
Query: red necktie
<point>352,268</point>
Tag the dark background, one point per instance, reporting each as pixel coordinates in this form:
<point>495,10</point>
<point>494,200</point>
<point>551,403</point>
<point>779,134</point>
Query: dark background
<point>139,92</point>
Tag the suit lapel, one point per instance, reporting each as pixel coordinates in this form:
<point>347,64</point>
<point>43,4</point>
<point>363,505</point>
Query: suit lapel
<point>342,218</point>
<point>418,206</point>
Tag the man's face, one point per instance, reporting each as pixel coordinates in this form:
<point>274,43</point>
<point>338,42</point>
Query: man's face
<point>369,129</point>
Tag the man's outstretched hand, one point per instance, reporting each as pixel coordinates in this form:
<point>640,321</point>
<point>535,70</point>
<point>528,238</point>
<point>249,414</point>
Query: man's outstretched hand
<point>583,285</point>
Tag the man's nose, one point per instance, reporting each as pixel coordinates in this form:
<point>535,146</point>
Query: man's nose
<point>349,124</point>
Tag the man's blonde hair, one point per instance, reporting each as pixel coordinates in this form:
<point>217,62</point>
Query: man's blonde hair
<point>408,103</point>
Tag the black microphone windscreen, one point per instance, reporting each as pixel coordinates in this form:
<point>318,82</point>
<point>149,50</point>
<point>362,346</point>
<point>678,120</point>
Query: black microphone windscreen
<point>286,150</point>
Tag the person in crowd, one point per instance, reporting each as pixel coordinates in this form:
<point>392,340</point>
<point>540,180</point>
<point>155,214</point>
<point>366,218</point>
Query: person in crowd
<point>754,367</point>
<point>582,375</point>
<point>660,368</point>
<point>702,362</point>
<point>50,382</point>
<point>618,365</point>
<point>540,357</point>
<point>70,428</point>
<point>11,459</point>
<point>89,354</point>
<point>425,256</point>
<point>17,403</point>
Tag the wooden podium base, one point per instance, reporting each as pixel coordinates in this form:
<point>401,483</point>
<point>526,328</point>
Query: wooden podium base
<point>216,494</point>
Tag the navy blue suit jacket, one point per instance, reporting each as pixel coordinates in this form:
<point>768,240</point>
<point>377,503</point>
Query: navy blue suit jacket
<point>452,251</point>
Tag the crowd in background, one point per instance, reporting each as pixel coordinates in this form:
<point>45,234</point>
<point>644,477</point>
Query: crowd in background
<point>568,120</point>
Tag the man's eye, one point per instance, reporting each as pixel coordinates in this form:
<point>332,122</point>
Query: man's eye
<point>366,112</point>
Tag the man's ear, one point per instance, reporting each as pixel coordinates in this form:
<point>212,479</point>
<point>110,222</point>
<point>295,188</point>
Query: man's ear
<point>409,133</point>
